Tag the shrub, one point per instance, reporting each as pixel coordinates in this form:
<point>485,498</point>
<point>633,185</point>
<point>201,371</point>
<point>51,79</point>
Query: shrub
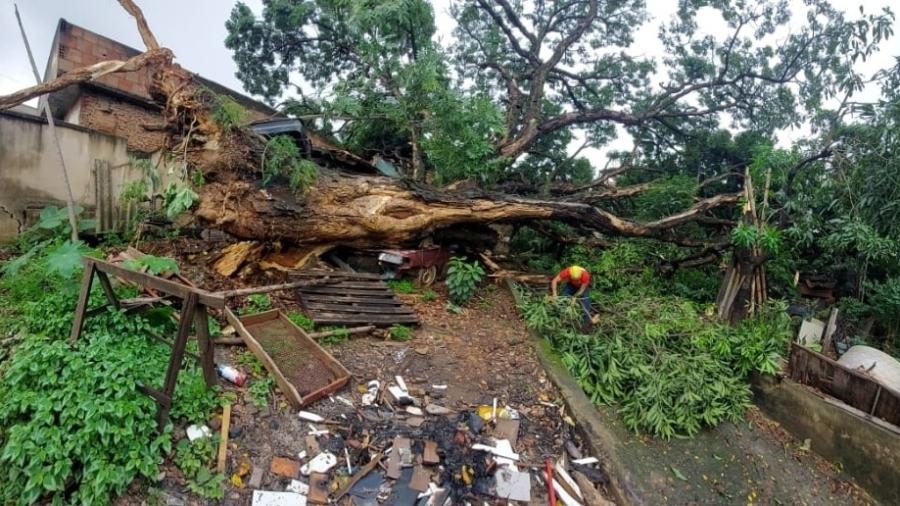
<point>462,279</point>
<point>301,320</point>
<point>282,159</point>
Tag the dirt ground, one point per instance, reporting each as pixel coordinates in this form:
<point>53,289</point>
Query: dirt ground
<point>482,354</point>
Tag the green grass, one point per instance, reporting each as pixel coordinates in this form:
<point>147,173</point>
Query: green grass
<point>402,285</point>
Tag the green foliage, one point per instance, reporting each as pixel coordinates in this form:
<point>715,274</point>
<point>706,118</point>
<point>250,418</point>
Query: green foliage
<point>768,238</point>
<point>260,390</point>
<point>178,199</point>
<point>666,196</point>
<point>341,334</point>
<point>227,113</point>
<point>462,279</point>
<point>134,192</point>
<point>400,332</point>
<point>258,302</point>
<point>669,371</point>
<point>153,264</point>
<point>429,295</point>
<point>301,320</point>
<point>195,461</point>
<point>402,285</point>
<point>248,360</point>
<point>282,159</point>
<point>75,428</point>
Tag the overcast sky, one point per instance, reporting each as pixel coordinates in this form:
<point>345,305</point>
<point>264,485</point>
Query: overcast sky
<point>195,31</point>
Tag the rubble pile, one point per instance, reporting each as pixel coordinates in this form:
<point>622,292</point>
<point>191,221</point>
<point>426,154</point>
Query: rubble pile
<point>391,443</point>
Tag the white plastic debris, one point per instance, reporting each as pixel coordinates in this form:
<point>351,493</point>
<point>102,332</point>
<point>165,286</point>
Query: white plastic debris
<point>197,431</point>
<point>347,456</point>
<point>501,449</point>
<point>315,431</point>
<point>586,461</point>
<point>312,417</point>
<point>399,394</point>
<point>298,487</point>
<point>401,383</point>
<point>439,387</point>
<point>511,413</point>
<point>321,463</point>
<point>344,400</point>
<point>301,455</point>
<point>266,498</point>
<point>435,409</point>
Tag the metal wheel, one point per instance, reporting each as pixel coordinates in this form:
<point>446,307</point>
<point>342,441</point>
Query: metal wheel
<point>427,275</point>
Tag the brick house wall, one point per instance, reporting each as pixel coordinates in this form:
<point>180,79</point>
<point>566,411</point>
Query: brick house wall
<point>116,104</point>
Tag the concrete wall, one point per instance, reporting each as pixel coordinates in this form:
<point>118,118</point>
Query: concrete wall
<point>30,176</point>
<point>867,448</point>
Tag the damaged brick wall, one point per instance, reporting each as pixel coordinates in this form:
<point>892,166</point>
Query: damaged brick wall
<point>107,114</point>
<point>119,104</point>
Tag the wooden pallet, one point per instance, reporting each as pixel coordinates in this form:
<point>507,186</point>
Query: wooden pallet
<point>353,299</point>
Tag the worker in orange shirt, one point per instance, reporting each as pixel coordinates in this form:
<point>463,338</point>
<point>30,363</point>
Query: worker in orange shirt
<point>577,284</point>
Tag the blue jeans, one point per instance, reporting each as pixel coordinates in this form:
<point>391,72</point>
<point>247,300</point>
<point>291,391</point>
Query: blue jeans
<point>584,299</point>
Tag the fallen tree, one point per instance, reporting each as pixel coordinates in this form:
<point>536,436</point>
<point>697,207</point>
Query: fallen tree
<point>341,208</point>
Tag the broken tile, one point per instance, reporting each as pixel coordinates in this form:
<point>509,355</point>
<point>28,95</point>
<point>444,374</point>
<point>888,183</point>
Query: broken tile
<point>266,498</point>
<point>298,487</point>
<point>415,421</point>
<point>430,455</point>
<point>513,484</point>
<point>318,488</point>
<point>395,463</point>
<point>420,479</point>
<point>284,467</point>
<point>508,429</point>
<point>414,410</point>
<point>256,477</point>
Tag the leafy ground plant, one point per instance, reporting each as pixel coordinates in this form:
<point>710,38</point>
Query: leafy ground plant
<point>195,459</point>
<point>74,429</point>
<point>301,320</point>
<point>260,390</point>
<point>400,332</point>
<point>402,285</point>
<point>462,279</point>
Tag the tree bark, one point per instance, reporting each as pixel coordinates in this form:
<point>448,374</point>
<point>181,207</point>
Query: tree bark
<point>371,211</point>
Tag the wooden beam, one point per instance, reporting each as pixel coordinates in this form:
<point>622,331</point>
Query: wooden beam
<point>223,440</point>
<point>210,299</point>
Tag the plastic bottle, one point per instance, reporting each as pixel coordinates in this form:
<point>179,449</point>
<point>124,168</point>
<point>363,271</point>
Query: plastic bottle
<point>231,374</point>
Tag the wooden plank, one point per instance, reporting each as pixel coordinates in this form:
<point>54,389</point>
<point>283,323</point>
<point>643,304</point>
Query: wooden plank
<point>184,328</point>
<point>333,290</point>
<point>223,440</point>
<point>272,288</point>
<point>347,308</point>
<point>157,283</point>
<point>286,387</point>
<point>335,274</point>
<point>350,319</point>
<point>360,474</point>
<point>108,289</point>
<point>330,299</point>
<point>87,280</point>
<point>205,346</point>
<point>420,479</point>
<point>352,330</point>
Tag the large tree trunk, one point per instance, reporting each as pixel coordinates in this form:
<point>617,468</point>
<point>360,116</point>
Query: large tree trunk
<point>369,211</point>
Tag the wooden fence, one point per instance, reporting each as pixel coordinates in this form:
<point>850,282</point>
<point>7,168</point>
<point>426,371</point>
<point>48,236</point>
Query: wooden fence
<point>850,386</point>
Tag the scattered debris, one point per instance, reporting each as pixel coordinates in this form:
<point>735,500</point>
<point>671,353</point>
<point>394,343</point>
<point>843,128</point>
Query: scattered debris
<point>231,374</point>
<point>586,461</point>
<point>318,488</point>
<point>298,487</point>
<point>195,432</point>
<point>284,467</point>
<point>434,409</point>
<point>256,478</point>
<point>502,449</point>
<point>312,417</point>
<point>420,480</point>
<point>401,444</point>
<point>266,498</point>
<point>430,455</point>
<point>353,299</point>
<point>321,463</point>
<point>513,484</point>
